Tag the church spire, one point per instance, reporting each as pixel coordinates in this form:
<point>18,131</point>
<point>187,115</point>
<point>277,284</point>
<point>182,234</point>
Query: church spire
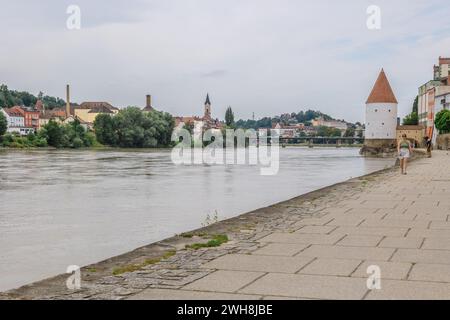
<point>207,114</point>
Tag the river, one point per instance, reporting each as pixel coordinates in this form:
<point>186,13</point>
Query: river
<point>68,207</point>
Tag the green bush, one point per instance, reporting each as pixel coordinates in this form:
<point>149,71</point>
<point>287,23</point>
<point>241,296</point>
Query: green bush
<point>72,135</point>
<point>442,121</point>
<point>411,119</point>
<point>17,141</point>
<point>3,124</point>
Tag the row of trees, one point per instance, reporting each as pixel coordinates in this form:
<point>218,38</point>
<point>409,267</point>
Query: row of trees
<point>10,98</point>
<point>132,128</point>
<point>72,135</point>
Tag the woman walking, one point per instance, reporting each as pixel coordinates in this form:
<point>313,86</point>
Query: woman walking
<point>404,152</point>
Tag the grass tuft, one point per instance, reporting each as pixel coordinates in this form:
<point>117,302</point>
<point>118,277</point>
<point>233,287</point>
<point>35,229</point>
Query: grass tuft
<point>147,262</point>
<point>216,241</point>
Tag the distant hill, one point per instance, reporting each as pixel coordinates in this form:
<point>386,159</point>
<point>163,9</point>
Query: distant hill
<point>304,117</point>
<point>10,98</point>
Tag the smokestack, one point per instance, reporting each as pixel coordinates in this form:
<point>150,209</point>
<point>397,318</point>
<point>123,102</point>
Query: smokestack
<point>149,101</point>
<point>67,101</point>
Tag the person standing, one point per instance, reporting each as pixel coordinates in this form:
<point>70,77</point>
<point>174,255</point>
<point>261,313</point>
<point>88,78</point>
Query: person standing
<point>404,152</point>
<point>428,145</point>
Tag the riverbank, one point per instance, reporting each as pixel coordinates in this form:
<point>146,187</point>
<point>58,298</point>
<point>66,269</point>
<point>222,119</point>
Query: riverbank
<point>313,246</point>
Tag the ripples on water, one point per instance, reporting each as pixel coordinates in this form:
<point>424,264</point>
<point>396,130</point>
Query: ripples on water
<point>60,208</point>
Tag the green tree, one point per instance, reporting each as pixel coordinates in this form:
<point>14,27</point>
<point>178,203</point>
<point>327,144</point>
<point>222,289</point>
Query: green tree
<point>3,124</point>
<point>335,132</point>
<point>10,98</point>
<point>189,126</point>
<point>350,132</point>
<point>71,135</point>
<point>229,117</point>
<point>360,134</point>
<point>132,128</point>
<point>104,129</point>
<point>322,131</point>
<point>416,105</point>
<point>53,133</point>
<point>411,119</point>
<point>442,121</point>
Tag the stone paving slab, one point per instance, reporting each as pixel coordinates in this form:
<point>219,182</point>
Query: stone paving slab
<point>437,243</point>
<point>308,286</point>
<point>314,221</point>
<point>341,252</point>
<point>389,270</point>
<point>428,233</point>
<point>440,225</point>
<point>347,220</point>
<point>331,267</point>
<point>391,223</point>
<point>281,249</point>
<point>401,242</point>
<point>372,231</point>
<point>243,262</point>
<point>410,290</point>
<point>316,229</point>
<point>440,216</point>
<point>169,294</point>
<point>302,238</point>
<point>360,241</point>
<point>422,255</point>
<point>224,281</point>
<point>430,272</point>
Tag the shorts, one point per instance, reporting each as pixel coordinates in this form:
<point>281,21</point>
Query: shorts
<point>403,154</point>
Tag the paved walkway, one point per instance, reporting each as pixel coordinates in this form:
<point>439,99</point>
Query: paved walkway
<point>399,223</point>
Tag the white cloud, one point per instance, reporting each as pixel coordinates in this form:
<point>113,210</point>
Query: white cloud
<point>258,56</point>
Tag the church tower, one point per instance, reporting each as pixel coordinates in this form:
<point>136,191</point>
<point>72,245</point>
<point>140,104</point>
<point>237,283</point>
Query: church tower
<point>381,115</point>
<point>207,115</point>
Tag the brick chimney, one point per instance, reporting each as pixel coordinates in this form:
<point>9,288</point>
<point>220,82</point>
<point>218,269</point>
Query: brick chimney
<point>148,103</point>
<point>67,101</point>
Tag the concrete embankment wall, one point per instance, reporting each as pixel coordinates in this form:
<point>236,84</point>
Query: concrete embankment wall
<point>443,142</point>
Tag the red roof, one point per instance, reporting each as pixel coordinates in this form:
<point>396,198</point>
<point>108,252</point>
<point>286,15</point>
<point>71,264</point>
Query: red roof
<point>382,91</point>
<point>15,111</point>
<point>443,60</point>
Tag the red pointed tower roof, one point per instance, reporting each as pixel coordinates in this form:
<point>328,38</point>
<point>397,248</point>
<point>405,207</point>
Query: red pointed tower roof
<point>382,91</point>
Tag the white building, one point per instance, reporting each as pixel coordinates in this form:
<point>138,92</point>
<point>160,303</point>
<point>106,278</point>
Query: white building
<point>442,102</point>
<point>428,93</point>
<point>16,120</point>
<point>321,122</point>
<point>381,114</point>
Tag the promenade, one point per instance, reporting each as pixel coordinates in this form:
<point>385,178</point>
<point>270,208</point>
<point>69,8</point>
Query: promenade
<point>317,246</point>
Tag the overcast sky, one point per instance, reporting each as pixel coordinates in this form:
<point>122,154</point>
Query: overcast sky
<point>266,57</point>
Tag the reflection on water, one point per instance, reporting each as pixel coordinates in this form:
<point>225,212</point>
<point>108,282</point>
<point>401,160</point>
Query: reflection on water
<point>60,208</point>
